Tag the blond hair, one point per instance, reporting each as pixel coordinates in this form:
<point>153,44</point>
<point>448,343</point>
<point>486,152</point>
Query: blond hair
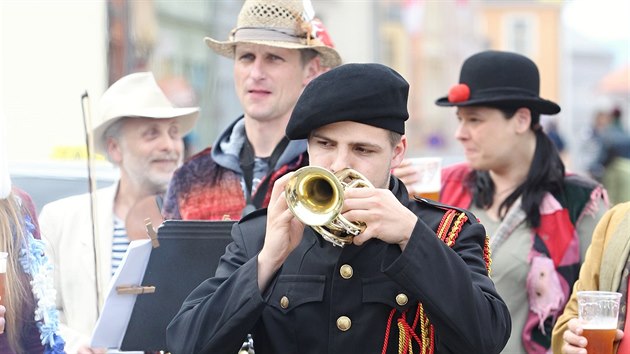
<point>17,296</point>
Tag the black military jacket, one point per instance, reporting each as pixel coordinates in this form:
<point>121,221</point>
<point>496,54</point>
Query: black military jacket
<point>327,299</point>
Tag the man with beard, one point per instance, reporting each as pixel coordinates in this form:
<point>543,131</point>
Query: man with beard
<point>141,133</point>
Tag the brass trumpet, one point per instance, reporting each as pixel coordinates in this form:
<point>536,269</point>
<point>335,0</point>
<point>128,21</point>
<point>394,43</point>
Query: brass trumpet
<point>315,197</point>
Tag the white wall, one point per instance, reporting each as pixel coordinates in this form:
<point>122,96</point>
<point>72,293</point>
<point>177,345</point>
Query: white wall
<point>351,27</point>
<point>50,53</point>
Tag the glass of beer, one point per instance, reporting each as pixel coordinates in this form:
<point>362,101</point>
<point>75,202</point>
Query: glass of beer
<point>3,275</point>
<point>598,312</point>
<point>429,170</point>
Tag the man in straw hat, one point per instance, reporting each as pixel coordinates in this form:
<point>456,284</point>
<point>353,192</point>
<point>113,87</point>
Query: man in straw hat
<point>141,133</point>
<point>414,280</point>
<point>277,50</point>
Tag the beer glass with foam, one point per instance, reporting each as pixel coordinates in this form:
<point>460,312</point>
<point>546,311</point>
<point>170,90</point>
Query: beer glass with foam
<point>430,174</point>
<point>598,311</point>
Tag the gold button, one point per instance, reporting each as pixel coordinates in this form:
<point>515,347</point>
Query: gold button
<point>284,302</point>
<point>401,299</point>
<point>346,271</point>
<point>344,323</point>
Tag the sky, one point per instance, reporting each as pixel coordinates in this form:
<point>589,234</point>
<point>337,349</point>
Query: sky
<point>603,21</point>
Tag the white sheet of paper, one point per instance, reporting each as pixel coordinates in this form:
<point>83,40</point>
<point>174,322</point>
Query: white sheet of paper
<point>112,324</point>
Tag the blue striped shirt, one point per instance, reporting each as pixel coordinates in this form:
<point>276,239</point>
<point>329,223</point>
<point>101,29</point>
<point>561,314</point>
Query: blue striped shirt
<point>120,243</point>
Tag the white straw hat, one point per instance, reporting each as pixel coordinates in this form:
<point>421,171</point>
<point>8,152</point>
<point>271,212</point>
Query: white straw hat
<point>279,23</point>
<point>138,95</point>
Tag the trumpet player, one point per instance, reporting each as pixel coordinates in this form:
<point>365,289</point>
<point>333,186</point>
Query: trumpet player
<point>415,279</point>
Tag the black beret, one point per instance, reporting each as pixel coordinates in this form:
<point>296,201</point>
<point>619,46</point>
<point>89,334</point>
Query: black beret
<point>371,94</point>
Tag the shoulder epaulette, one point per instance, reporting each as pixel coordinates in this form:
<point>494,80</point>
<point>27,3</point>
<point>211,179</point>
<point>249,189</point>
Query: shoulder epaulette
<point>445,207</point>
<point>451,224</point>
<point>424,335</point>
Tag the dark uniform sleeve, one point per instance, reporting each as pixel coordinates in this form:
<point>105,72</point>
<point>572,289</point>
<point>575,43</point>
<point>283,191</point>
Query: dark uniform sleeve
<point>211,318</point>
<point>453,285</point>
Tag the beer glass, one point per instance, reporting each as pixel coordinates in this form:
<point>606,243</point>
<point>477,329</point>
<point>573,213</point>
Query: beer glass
<point>430,173</point>
<point>3,275</point>
<point>598,311</point>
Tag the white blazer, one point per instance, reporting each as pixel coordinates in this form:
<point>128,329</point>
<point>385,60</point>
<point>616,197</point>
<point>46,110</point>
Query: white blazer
<point>66,227</point>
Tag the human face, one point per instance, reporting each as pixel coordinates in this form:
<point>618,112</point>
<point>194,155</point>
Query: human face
<point>490,140</point>
<point>269,80</point>
<point>362,147</point>
<point>148,151</point>
<point>602,121</point>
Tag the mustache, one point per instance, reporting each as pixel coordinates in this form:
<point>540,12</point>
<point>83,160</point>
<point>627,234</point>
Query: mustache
<point>169,157</point>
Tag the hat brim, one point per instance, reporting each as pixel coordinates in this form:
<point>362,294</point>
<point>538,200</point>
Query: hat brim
<point>329,56</point>
<point>187,117</point>
<point>536,104</point>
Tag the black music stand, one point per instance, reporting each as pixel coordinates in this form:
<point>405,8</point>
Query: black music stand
<point>188,253</point>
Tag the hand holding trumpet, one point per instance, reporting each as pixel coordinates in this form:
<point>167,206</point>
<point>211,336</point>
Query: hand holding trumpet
<point>283,234</point>
<point>371,213</point>
<point>385,218</point>
<point>345,208</point>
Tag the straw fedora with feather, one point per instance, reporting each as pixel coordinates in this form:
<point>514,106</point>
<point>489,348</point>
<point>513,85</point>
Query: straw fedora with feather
<point>280,23</point>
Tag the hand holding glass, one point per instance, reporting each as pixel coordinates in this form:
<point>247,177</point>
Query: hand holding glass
<point>429,170</point>
<point>598,312</point>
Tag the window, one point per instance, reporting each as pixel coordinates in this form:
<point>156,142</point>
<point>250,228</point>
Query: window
<point>521,31</point>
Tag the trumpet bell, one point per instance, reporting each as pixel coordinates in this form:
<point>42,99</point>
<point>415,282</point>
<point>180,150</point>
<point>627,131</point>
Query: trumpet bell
<point>315,196</point>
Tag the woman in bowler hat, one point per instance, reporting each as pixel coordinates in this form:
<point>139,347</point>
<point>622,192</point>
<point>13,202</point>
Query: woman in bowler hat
<point>539,218</point>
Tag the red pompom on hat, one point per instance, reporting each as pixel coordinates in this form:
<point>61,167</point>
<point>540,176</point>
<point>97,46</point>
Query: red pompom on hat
<point>459,93</point>
<point>498,79</point>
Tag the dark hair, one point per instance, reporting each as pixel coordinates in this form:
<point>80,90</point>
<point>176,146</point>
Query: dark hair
<point>394,137</point>
<point>616,115</point>
<point>307,54</point>
<point>546,174</point>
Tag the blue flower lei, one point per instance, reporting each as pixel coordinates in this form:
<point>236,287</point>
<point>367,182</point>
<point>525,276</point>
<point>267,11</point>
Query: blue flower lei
<point>35,263</point>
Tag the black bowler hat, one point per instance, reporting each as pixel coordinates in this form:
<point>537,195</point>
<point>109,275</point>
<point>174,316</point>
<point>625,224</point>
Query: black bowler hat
<point>371,94</point>
<point>502,79</point>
